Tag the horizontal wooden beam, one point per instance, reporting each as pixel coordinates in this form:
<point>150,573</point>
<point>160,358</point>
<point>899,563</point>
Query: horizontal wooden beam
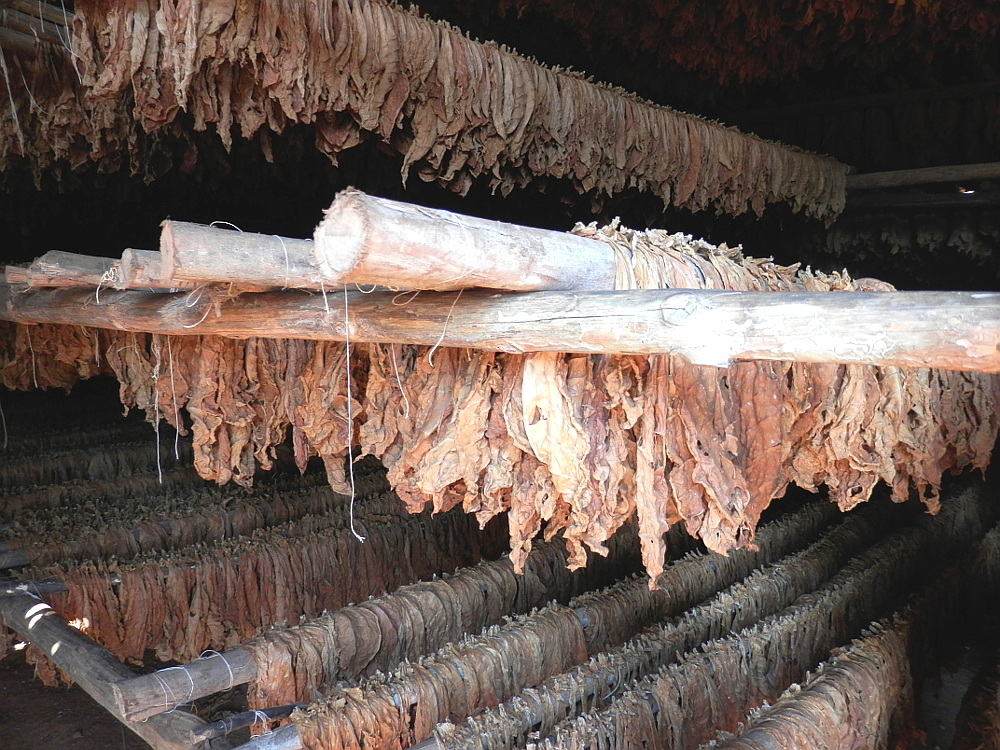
<point>979,199</point>
<point>246,719</point>
<point>142,697</point>
<point>61,269</point>
<point>949,330</point>
<point>91,666</point>
<point>199,254</point>
<point>925,176</point>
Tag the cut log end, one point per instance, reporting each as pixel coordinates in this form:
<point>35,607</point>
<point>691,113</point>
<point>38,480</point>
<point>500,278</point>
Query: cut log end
<point>340,237</point>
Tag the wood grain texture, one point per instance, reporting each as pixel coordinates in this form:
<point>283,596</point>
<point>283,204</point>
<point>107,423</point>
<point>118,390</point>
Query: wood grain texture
<point>368,240</point>
<point>949,330</point>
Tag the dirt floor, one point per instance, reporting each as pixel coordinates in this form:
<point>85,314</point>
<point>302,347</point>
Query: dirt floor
<point>36,717</point>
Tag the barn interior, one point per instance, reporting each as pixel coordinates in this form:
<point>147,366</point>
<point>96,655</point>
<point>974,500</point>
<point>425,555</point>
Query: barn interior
<point>311,600</point>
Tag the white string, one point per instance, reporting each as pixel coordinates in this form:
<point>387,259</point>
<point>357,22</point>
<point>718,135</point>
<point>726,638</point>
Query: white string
<point>191,300</point>
<point>34,372</point>
<point>108,277</point>
<point>13,104</point>
<point>392,351</point>
<point>227,223</point>
<point>282,241</point>
<point>232,677</point>
<point>170,698</point>
<point>3,419</point>
<point>326,304</point>
<point>261,717</point>
<point>350,416</point>
<point>156,406</point>
<point>430,354</point>
<point>173,397</point>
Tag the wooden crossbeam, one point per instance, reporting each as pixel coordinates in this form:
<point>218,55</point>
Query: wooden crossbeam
<point>948,330</point>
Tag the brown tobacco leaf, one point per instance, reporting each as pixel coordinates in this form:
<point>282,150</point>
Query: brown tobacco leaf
<point>558,438</point>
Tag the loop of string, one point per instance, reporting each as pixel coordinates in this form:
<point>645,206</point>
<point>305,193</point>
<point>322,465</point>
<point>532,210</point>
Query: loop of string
<point>350,415</point>
<point>430,354</point>
<point>191,299</point>
<point>399,383</point>
<point>285,249</point>
<point>226,223</point>
<point>168,694</point>
<point>111,277</point>
<point>31,348</point>
<point>214,653</point>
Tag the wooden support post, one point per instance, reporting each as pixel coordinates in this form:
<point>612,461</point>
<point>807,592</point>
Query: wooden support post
<point>91,666</point>
<point>367,240</point>
<point>948,330</point>
<point>139,698</point>
<point>204,255</point>
<point>925,176</point>
<point>67,270</point>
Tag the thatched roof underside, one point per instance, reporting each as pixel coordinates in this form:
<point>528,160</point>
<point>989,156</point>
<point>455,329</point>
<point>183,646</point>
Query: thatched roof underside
<point>453,109</point>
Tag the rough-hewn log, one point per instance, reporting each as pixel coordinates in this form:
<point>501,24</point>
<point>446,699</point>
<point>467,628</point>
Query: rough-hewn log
<point>61,269</point>
<point>949,330</point>
<point>368,240</point>
<point>204,254</point>
<point>91,666</point>
<point>924,176</point>
<point>141,269</point>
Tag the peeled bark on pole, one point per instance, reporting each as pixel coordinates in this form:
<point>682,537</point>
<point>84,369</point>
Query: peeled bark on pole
<point>366,240</point>
<point>91,666</point>
<point>947,330</point>
<point>207,255</point>
<point>142,269</point>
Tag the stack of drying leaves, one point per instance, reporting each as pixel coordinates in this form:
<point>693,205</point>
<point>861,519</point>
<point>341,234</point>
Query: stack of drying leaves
<point>454,109</point>
<point>570,443</point>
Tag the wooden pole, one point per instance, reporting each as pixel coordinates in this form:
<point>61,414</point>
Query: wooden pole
<point>246,719</point>
<point>139,698</point>
<point>979,199</point>
<point>91,666</point>
<point>14,587</point>
<point>926,176</point>
<point>202,255</point>
<point>141,269</point>
<point>16,275</point>
<point>367,240</point>
<point>282,738</point>
<point>948,330</point>
<point>61,269</point>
